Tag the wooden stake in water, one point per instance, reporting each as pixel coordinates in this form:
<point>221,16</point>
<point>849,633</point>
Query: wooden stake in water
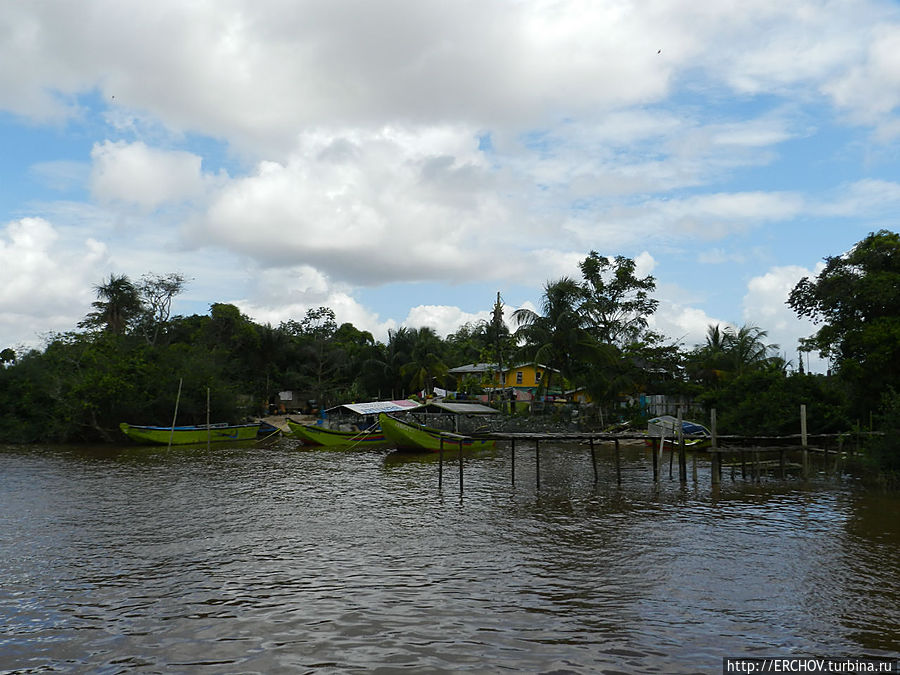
<point>208,431</point>
<point>441,464</point>
<point>594,459</point>
<point>618,465</point>
<point>803,440</point>
<point>512,447</point>
<point>537,463</point>
<point>175,416</point>
<point>713,449</point>
<point>460,467</point>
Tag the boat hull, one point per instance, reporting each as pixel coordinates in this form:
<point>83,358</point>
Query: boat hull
<point>665,427</point>
<point>404,436</point>
<point>149,435</point>
<point>312,434</point>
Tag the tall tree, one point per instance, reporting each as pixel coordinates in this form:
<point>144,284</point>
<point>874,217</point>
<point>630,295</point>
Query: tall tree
<point>425,367</point>
<point>157,292</point>
<point>617,303</point>
<point>855,300</point>
<point>557,335</point>
<point>117,307</point>
<point>746,349</point>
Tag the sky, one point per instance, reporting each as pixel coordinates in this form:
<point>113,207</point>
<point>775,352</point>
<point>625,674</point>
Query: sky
<point>403,161</point>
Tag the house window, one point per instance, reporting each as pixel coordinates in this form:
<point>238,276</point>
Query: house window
<point>538,375</point>
<point>519,377</point>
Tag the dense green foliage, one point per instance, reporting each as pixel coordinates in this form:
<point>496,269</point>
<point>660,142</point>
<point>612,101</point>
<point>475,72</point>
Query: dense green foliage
<point>129,358</point>
<point>856,301</point>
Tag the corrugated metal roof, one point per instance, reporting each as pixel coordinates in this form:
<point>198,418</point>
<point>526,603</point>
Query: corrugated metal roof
<point>462,408</point>
<point>375,407</point>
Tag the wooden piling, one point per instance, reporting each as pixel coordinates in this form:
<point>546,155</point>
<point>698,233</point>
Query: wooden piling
<point>715,476</point>
<point>460,455</point>
<point>716,462</point>
<point>594,460</point>
<point>441,464</point>
<point>803,441</point>
<point>618,465</point>
<point>175,415</point>
<point>671,458</point>
<point>694,466</point>
<point>682,457</point>
<point>537,463</point>
<point>512,447</point>
<point>655,457</point>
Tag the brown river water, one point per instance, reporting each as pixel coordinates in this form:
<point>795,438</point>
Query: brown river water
<point>278,559</point>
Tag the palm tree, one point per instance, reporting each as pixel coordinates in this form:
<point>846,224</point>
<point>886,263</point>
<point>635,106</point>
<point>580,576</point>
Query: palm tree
<point>557,335</point>
<point>117,306</point>
<point>746,349</point>
<point>731,352</point>
<point>425,365</point>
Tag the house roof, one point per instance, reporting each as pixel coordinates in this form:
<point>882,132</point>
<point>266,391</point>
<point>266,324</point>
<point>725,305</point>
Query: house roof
<point>472,368</point>
<point>462,408</point>
<point>375,407</point>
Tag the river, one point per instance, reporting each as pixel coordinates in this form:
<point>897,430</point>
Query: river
<point>277,559</point>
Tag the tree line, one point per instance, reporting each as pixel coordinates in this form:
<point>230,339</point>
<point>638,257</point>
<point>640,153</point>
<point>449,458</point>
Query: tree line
<point>125,359</point>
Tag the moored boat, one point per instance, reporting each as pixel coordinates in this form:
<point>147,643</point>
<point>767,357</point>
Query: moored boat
<point>188,435</point>
<point>416,437</point>
<point>313,434</point>
<point>359,431</point>
<point>666,428</point>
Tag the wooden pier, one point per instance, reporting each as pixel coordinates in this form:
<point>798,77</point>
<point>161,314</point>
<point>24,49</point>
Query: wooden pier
<point>754,456</point>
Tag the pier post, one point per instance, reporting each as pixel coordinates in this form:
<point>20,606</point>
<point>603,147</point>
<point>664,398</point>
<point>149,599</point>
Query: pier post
<point>781,463</point>
<point>672,457</point>
<point>594,460</point>
<point>618,465</point>
<point>512,447</point>
<point>716,464</point>
<point>694,466</point>
<point>537,463</point>
<point>441,465</point>
<point>682,458</point>
<point>714,449</point>
<point>460,467</point>
<point>803,440</point>
<point>655,456</point>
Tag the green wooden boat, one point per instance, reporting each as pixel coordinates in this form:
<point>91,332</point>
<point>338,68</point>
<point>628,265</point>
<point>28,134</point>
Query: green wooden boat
<point>417,437</point>
<point>214,433</point>
<point>313,434</point>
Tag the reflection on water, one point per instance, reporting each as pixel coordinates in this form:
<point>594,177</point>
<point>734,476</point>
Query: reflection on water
<point>274,560</point>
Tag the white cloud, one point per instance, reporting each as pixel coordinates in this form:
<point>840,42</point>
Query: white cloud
<point>683,324</point>
<point>285,294</point>
<point>765,306</point>
<point>409,141</point>
<point>148,177</point>
<point>870,89</point>
<point>45,281</point>
<point>444,319</point>
<point>366,207</point>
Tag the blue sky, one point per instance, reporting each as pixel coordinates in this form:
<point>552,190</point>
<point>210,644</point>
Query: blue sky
<point>403,161</point>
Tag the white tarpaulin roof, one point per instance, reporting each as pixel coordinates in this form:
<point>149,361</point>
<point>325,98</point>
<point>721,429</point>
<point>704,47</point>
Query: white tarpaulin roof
<point>375,407</point>
<point>463,408</point>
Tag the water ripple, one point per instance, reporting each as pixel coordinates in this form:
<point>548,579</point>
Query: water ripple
<point>274,560</point>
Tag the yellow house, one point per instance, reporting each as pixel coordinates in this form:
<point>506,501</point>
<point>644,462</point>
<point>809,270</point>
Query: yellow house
<point>526,376</point>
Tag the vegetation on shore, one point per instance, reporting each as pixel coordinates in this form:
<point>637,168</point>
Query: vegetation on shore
<point>126,358</point>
